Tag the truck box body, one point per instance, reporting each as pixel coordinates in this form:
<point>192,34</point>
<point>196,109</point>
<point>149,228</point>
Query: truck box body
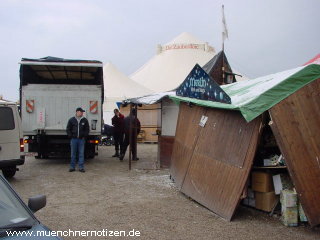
<point>50,91</point>
<point>58,103</point>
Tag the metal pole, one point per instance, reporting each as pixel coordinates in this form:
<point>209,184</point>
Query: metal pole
<point>223,30</point>
<point>135,134</point>
<point>223,37</point>
<point>130,136</point>
<point>223,74</point>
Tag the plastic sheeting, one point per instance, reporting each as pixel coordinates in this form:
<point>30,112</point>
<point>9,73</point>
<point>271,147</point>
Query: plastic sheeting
<point>253,97</point>
<point>152,98</point>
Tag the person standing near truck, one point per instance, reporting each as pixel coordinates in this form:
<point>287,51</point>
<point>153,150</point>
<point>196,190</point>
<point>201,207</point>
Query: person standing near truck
<point>77,130</point>
<point>118,131</point>
<point>136,127</point>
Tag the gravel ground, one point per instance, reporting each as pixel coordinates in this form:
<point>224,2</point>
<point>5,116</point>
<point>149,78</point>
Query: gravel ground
<point>108,196</point>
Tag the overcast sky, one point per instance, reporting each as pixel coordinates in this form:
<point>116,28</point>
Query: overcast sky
<point>264,36</point>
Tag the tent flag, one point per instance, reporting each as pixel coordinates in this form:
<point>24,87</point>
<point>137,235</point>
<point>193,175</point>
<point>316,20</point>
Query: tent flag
<point>198,84</point>
<point>224,26</point>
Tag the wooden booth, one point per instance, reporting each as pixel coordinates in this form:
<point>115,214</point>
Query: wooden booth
<point>217,144</point>
<point>168,114</point>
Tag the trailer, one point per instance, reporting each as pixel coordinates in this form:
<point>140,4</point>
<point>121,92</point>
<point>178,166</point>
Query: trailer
<point>50,91</point>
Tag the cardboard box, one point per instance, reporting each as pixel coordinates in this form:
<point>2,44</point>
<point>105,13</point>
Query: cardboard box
<point>250,193</point>
<point>288,199</point>
<point>266,201</point>
<point>262,182</point>
<point>252,202</point>
<point>290,216</point>
<point>281,182</point>
<point>249,202</point>
<point>269,162</point>
<point>277,183</point>
<point>302,215</point>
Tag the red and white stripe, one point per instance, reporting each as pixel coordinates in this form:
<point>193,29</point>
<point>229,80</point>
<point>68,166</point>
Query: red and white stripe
<point>29,106</point>
<point>94,107</point>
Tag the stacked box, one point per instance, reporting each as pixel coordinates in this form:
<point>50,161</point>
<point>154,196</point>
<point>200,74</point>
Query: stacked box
<point>269,162</point>
<point>266,201</point>
<point>273,161</point>
<point>289,208</point>
<point>262,182</point>
<point>262,185</point>
<point>290,216</point>
<point>249,200</point>
<point>289,198</point>
<point>302,215</point>
<point>281,182</point>
<point>250,193</point>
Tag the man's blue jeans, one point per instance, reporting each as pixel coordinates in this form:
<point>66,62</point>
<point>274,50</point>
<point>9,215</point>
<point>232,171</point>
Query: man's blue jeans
<point>77,149</point>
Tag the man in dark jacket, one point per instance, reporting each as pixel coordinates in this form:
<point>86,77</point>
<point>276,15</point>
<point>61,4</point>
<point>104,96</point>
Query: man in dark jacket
<point>77,130</point>
<point>136,127</point>
<point>118,131</point>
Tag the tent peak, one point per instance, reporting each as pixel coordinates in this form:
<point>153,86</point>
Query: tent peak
<point>186,37</point>
<point>166,70</point>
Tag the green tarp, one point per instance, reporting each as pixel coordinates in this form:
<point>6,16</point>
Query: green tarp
<point>253,97</point>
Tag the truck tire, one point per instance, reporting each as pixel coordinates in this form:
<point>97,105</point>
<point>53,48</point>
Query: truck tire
<point>90,156</point>
<point>42,156</point>
<point>9,172</point>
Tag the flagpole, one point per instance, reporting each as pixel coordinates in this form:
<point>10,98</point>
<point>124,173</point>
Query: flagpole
<point>223,45</point>
<point>222,29</point>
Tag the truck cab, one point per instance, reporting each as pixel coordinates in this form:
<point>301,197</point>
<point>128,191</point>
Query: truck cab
<point>11,138</point>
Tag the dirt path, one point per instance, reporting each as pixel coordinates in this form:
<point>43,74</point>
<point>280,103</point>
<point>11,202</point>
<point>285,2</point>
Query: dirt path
<point>108,196</point>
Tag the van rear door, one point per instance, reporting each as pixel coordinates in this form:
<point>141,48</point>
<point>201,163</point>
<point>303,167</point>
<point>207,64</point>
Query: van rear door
<point>9,134</point>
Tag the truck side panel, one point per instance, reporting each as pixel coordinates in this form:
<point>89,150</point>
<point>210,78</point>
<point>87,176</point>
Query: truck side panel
<point>49,107</point>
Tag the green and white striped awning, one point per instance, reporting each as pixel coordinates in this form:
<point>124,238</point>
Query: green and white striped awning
<point>255,96</point>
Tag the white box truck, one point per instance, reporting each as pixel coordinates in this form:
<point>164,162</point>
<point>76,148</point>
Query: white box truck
<point>50,91</point>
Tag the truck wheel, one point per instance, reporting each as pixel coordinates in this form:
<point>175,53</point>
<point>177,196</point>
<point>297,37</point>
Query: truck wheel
<point>90,156</point>
<point>9,172</point>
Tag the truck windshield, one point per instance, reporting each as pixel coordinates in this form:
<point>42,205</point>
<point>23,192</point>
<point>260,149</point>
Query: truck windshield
<point>12,212</point>
<point>6,118</point>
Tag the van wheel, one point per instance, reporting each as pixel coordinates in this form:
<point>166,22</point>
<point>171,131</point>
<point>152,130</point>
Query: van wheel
<point>9,172</point>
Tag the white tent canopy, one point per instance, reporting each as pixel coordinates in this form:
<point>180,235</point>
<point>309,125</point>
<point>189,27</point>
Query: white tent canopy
<point>118,87</point>
<point>166,70</point>
<point>173,62</point>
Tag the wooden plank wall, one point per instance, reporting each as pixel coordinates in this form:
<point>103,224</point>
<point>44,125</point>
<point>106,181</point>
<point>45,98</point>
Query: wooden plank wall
<point>222,161</point>
<point>186,136</point>
<point>148,116</point>
<point>296,126</point>
<point>165,147</point>
<point>212,164</point>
